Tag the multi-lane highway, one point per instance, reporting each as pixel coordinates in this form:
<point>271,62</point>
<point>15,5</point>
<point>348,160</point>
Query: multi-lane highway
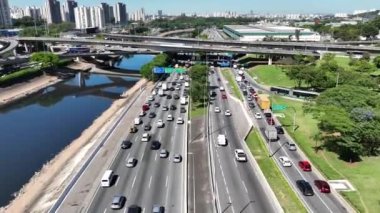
<point>237,186</point>
<point>320,202</point>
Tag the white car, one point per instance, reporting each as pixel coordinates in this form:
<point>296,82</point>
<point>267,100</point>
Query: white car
<point>131,162</point>
<point>177,158</point>
<point>227,113</point>
<point>165,108</point>
<point>240,155</point>
<point>180,121</point>
<point>285,161</point>
<point>160,123</point>
<point>249,98</point>
<point>151,98</point>
<point>164,153</point>
<point>258,115</point>
<point>170,118</point>
<point>177,88</point>
<point>217,109</point>
<point>142,114</point>
<point>145,137</point>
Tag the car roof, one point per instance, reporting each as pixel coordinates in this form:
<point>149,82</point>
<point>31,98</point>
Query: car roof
<point>304,161</point>
<point>285,158</point>
<point>117,198</point>
<point>239,150</point>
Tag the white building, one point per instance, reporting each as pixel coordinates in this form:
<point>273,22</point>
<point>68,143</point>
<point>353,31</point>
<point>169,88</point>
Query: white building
<point>341,15</point>
<point>33,12</point>
<point>82,17</point>
<point>97,17</point>
<point>17,13</point>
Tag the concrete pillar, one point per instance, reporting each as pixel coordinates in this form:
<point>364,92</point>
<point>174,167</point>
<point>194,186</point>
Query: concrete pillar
<point>81,80</point>
<point>110,63</point>
<point>26,48</point>
<point>321,55</point>
<point>270,59</point>
<point>77,59</point>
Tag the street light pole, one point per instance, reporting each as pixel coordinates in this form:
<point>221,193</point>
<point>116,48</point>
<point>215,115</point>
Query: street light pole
<point>294,119</point>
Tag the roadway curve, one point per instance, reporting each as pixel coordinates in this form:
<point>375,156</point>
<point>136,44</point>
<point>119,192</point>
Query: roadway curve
<point>8,45</point>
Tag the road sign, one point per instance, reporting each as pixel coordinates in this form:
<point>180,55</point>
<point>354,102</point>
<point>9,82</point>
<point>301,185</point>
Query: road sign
<point>161,70</point>
<point>158,70</point>
<point>279,107</point>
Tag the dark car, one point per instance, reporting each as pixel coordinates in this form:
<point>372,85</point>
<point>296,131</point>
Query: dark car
<point>322,185</point>
<point>152,115</point>
<point>172,107</point>
<point>174,83</point>
<point>176,96</point>
<point>147,127</point>
<point>172,89</point>
<point>305,187</point>
<point>183,110</point>
<point>218,79</point>
<point>155,145</point>
<point>280,130</point>
<point>118,202</point>
<point>134,209</point>
<point>169,97</point>
<point>157,104</point>
<point>304,165</point>
<point>245,93</point>
<point>251,105</point>
<point>133,129</point>
<point>126,144</point>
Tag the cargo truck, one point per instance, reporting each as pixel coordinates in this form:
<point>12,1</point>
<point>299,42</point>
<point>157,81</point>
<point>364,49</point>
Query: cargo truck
<point>183,101</point>
<point>263,101</point>
<point>161,92</point>
<point>271,133</point>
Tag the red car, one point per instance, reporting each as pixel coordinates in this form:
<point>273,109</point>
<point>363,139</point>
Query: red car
<point>218,79</point>
<point>224,96</point>
<point>322,185</point>
<point>145,107</point>
<point>304,165</point>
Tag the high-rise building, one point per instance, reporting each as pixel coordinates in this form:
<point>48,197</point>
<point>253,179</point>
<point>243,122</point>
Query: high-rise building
<point>69,7</point>
<point>64,14</point>
<point>82,17</point>
<point>97,17</point>
<point>5,16</point>
<point>112,15</point>
<point>120,12</point>
<point>33,12</point>
<point>16,12</point>
<point>106,10</point>
<point>53,12</point>
<point>159,14</point>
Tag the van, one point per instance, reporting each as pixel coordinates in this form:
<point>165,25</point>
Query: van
<point>222,140</point>
<point>107,178</point>
<point>137,121</point>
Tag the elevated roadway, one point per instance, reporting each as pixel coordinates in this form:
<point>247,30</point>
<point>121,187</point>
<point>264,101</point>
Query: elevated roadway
<point>8,45</point>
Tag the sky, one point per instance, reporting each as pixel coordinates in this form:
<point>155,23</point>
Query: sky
<point>240,6</point>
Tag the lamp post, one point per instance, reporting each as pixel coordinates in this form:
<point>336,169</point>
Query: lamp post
<point>294,119</point>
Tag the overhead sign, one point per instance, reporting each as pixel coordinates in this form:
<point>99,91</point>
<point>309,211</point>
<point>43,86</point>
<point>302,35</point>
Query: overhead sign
<point>279,107</point>
<point>168,70</point>
<point>158,70</point>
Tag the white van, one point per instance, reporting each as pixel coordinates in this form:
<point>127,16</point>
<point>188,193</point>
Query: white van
<point>222,140</point>
<point>137,121</point>
<point>107,178</point>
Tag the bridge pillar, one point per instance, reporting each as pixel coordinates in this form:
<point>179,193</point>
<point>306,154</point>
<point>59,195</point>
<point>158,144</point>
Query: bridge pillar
<point>77,59</point>
<point>81,80</point>
<point>26,48</point>
<point>110,63</point>
<point>270,58</point>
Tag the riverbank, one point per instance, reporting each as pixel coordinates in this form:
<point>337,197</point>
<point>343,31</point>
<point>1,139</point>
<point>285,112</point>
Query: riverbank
<point>44,188</point>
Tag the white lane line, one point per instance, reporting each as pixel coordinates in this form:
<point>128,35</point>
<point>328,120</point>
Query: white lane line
<point>133,183</point>
<point>143,210</point>
<point>166,182</point>
<point>245,187</point>
<point>235,163</point>
<point>150,182</point>
<point>117,180</point>
<point>105,210</point>
<point>193,184</point>
<point>155,158</point>
<point>125,210</point>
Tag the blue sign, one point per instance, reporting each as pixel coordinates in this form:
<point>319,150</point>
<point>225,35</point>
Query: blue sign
<point>159,70</point>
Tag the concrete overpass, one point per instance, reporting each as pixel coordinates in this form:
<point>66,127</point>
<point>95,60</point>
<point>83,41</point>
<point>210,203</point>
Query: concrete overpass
<point>8,45</point>
<point>302,46</point>
<point>175,32</point>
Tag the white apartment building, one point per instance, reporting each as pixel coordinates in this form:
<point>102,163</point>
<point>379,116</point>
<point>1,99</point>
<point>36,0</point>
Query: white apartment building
<point>97,17</point>
<point>86,17</point>
<point>5,17</point>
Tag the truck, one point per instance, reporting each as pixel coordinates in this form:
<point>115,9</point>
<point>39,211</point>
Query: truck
<point>222,140</point>
<point>164,86</point>
<point>183,101</point>
<point>263,101</point>
<point>271,133</point>
<point>161,92</point>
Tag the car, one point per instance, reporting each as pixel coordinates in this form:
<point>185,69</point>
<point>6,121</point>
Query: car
<point>183,110</point>
<point>291,146</point>
<point>270,121</point>
<point>152,115</point>
<point>258,115</point>
<point>142,114</point>
<point>158,209</point>
<point>176,96</point>
<point>177,158</point>
<point>279,129</point>
<point>180,121</point>
<point>251,105</point>
<point>169,117</point>
<point>174,83</point>
<point>305,187</point>
<point>164,153</point>
<point>217,109</point>
<point>165,108</point>
<point>133,129</point>
<point>145,137</point>
<point>147,127</point>
<point>118,202</point>
<point>177,88</point>
<point>150,98</point>
<point>322,186</point>
<point>155,145</point>
<point>134,209</point>
<point>224,96</point>
<point>285,161</point>
<point>160,123</point>
<point>227,113</point>
<point>304,165</point>
<point>169,97</point>
<point>173,107</point>
<point>245,93</point>
<point>249,98</point>
<point>240,156</point>
<point>126,144</point>
<point>131,162</point>
<point>156,105</point>
<point>171,88</point>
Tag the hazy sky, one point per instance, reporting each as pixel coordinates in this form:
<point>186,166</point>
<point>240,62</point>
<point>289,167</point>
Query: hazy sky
<point>241,6</point>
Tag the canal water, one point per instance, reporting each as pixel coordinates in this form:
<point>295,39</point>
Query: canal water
<point>35,129</point>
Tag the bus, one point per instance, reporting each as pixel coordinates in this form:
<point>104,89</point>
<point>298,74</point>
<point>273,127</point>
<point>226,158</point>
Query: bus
<point>78,50</point>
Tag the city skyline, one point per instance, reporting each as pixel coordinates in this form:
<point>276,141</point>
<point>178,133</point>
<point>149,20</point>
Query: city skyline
<point>240,6</point>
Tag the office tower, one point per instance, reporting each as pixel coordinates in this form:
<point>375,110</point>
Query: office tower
<point>53,12</point>
<point>112,15</point>
<point>64,14</point>
<point>82,17</point>
<point>106,11</point>
<point>5,16</point>
<point>120,12</point>
<point>16,12</point>
<point>69,9</point>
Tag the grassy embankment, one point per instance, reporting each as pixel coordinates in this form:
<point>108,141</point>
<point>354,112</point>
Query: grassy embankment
<point>229,76</point>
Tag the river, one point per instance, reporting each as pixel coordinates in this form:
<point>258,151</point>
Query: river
<point>35,129</point>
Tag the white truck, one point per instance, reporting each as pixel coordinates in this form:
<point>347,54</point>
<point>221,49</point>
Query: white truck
<point>164,86</point>
<point>271,133</point>
<point>222,140</point>
<point>183,101</point>
<point>161,92</point>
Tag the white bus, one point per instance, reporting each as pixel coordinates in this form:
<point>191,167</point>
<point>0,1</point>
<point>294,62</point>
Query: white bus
<point>107,178</point>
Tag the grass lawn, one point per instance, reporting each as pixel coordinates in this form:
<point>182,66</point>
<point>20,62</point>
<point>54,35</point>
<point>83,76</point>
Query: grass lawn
<point>284,193</point>
<point>197,111</point>
<point>230,77</point>
<point>363,175</point>
<point>271,75</point>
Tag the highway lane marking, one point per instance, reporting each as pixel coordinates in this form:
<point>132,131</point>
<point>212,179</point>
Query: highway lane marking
<point>235,163</point>
<point>150,182</point>
<point>117,180</point>
<point>155,158</point>
<point>133,183</point>
<point>166,182</point>
<point>105,210</point>
<point>245,187</point>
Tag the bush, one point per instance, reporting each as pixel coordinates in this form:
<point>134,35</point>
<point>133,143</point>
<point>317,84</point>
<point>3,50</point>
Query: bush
<point>19,76</point>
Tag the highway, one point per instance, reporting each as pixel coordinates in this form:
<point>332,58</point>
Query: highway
<point>153,180</point>
<point>320,202</point>
<point>238,188</point>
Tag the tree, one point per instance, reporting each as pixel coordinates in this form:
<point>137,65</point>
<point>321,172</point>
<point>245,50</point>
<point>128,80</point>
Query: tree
<point>329,64</point>
<point>199,83</point>
<point>45,59</point>
<point>369,31</point>
<point>376,61</point>
<point>298,74</point>
<point>363,66</point>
